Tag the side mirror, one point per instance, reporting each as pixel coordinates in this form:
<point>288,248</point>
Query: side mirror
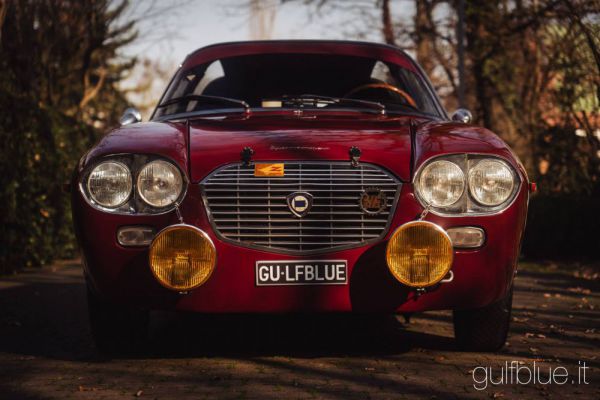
<point>130,116</point>
<point>462,115</point>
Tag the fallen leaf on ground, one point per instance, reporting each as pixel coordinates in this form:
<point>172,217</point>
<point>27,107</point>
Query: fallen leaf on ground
<point>529,314</point>
<point>87,389</point>
<point>579,289</point>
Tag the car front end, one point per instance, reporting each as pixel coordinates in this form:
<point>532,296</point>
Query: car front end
<point>299,206</point>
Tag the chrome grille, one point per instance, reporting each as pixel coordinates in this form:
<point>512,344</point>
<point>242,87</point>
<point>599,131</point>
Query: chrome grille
<point>253,211</point>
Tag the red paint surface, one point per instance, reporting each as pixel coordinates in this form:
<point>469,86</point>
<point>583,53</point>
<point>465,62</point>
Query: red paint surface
<point>284,137</point>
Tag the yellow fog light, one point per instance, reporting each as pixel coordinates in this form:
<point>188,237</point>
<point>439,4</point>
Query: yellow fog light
<point>419,254</point>
<point>182,257</point>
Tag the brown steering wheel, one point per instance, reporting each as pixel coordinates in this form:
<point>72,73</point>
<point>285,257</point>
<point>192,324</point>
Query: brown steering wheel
<point>385,86</point>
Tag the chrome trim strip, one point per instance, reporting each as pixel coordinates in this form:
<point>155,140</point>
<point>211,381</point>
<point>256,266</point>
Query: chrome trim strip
<point>449,279</point>
<point>468,247</point>
<point>493,210</point>
<point>83,176</point>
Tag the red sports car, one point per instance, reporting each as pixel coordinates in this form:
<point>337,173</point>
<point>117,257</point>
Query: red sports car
<point>300,176</point>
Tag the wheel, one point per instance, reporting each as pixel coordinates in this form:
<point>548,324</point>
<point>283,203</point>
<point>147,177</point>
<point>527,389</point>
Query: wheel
<point>483,329</point>
<point>116,329</point>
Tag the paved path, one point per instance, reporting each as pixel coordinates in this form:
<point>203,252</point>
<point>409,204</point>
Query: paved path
<point>46,351</point>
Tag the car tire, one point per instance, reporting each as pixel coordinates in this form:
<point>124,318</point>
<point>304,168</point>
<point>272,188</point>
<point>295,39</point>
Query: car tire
<point>483,329</point>
<point>116,329</point>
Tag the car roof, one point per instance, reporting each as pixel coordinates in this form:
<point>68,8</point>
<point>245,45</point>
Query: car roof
<point>380,51</point>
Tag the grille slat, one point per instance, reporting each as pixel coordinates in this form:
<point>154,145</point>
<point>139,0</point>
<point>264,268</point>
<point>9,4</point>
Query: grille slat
<point>351,205</point>
<point>307,176</point>
<point>253,211</point>
<point>289,228</point>
<point>272,213</point>
<point>296,220</point>
<point>294,183</point>
<point>294,236</point>
<point>290,181</point>
<point>289,190</point>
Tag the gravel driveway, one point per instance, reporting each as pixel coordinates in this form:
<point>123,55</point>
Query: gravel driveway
<point>46,350</point>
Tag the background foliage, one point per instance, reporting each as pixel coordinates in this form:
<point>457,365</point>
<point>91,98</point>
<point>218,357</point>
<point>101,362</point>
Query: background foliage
<point>531,74</point>
<point>59,65</point>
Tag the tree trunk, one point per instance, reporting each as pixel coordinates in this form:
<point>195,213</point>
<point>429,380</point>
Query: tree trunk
<point>424,36</point>
<point>387,25</point>
<point>478,54</point>
<point>3,8</point>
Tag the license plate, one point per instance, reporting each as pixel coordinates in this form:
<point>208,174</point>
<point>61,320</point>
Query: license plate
<point>309,272</point>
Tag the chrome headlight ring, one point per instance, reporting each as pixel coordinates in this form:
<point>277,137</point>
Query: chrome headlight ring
<point>136,203</point>
<point>109,184</point>
<point>159,183</point>
<point>490,185</point>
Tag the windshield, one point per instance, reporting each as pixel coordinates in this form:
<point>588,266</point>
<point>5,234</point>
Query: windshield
<point>268,81</point>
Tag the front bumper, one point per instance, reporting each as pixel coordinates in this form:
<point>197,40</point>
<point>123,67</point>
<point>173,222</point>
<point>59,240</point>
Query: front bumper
<point>122,274</point>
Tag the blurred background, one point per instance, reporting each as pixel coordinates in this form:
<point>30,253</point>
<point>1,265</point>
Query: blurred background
<point>528,69</point>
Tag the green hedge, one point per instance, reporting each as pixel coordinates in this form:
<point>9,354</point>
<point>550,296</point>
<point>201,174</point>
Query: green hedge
<point>563,227</point>
<point>38,151</point>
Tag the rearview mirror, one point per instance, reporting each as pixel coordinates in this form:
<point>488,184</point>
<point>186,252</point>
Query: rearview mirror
<point>130,116</point>
<point>462,115</point>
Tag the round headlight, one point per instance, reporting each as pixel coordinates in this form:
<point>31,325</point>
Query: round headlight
<point>182,257</point>
<point>441,183</point>
<point>159,183</point>
<point>491,182</point>
<point>109,184</point>
<point>419,254</point>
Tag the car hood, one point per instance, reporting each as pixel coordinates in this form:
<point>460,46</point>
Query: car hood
<point>214,143</point>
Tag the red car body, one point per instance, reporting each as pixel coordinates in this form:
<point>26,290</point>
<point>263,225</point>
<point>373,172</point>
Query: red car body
<point>400,144</point>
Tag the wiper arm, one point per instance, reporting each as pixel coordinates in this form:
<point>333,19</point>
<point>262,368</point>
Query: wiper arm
<point>206,99</point>
<point>315,100</point>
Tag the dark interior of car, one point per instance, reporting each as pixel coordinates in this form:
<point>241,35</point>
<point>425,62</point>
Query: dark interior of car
<point>258,78</point>
<point>254,78</point>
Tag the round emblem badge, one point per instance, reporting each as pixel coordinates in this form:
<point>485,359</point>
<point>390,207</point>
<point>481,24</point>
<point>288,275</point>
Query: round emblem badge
<point>372,201</point>
<point>300,203</point>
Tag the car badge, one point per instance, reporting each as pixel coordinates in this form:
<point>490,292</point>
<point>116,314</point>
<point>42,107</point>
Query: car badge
<point>261,170</point>
<point>300,203</point>
<point>372,201</point>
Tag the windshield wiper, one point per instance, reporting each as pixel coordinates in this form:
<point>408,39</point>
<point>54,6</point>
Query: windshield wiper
<point>316,100</point>
<point>207,100</point>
